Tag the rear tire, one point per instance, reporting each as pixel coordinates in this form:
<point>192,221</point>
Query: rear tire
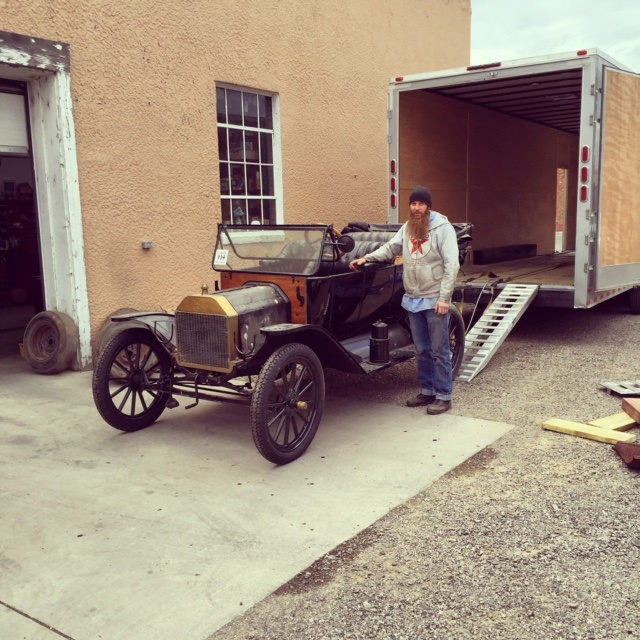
<point>456,339</point>
<point>127,380</point>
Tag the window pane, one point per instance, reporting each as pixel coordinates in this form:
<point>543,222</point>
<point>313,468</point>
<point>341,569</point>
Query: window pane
<point>238,186</point>
<point>250,109</point>
<point>266,148</point>
<point>247,182</point>
<point>226,210</point>
<point>255,212</point>
<point>221,109</point>
<point>251,146</point>
<point>267,181</point>
<point>234,107</point>
<point>223,151</point>
<point>236,144</point>
<point>224,179</point>
<point>239,211</point>
<point>266,119</point>
<point>269,211</point>
<point>253,179</point>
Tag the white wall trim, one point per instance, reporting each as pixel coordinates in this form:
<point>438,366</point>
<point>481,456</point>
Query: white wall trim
<point>59,210</point>
<point>43,65</point>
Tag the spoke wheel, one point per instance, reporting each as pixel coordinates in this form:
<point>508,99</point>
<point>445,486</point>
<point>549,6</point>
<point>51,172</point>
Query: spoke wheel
<point>456,339</point>
<point>287,403</point>
<point>126,380</point>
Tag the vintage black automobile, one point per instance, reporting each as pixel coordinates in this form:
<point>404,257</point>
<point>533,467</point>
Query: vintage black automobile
<point>287,307</point>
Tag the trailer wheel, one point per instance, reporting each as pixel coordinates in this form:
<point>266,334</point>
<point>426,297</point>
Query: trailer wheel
<point>50,342</point>
<point>634,300</point>
<point>456,339</point>
<point>287,403</point>
<point>128,379</point>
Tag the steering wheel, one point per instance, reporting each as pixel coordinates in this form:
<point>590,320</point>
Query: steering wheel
<point>327,251</point>
<point>338,235</point>
<point>308,240</point>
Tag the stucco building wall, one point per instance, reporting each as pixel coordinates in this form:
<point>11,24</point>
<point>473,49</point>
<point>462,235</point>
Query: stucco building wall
<point>143,84</point>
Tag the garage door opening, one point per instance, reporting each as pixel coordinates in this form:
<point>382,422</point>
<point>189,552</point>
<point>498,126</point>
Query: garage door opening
<point>20,260</point>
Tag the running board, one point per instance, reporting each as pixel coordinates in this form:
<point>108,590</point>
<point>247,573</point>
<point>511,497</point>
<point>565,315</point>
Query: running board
<point>496,323</point>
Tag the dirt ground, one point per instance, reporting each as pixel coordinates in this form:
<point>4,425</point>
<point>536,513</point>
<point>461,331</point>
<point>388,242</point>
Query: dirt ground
<point>535,537</point>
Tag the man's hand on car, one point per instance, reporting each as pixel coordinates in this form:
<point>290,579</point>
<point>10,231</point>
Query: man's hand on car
<point>354,265</point>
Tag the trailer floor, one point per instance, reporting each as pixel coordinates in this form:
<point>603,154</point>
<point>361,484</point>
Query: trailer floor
<point>556,269</point>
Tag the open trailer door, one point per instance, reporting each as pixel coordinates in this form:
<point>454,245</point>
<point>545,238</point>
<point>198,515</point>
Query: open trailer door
<point>618,259</point>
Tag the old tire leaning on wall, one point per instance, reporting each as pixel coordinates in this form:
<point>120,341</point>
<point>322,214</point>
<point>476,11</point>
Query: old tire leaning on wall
<point>50,342</point>
<point>109,329</point>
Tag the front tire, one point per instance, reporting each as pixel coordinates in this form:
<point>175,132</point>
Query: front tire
<point>127,380</point>
<point>456,339</point>
<point>287,403</point>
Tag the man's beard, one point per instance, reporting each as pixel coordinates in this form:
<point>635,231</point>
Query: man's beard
<point>418,227</point>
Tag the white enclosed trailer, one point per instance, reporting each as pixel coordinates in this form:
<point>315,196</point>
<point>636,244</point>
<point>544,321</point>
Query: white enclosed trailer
<point>521,149</point>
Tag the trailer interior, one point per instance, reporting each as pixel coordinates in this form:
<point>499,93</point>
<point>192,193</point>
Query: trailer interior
<point>502,154</point>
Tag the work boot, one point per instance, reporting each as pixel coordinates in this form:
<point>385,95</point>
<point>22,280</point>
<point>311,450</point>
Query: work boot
<point>439,406</point>
<point>420,400</point>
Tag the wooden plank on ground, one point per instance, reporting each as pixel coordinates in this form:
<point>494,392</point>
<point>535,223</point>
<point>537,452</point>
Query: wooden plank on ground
<point>587,431</point>
<point>618,422</point>
<point>631,406</point>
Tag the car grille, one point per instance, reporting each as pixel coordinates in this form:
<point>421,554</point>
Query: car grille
<point>203,340</point>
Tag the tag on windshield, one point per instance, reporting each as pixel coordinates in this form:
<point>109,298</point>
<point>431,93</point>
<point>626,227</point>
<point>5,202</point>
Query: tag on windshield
<point>220,259</point>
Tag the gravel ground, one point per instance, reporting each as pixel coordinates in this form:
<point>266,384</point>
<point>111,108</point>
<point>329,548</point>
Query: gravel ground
<point>535,537</point>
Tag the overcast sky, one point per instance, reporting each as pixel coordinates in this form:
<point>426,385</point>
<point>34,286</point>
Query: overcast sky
<point>510,29</point>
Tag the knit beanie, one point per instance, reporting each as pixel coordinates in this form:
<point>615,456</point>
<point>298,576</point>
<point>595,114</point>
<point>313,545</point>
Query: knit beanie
<point>420,194</point>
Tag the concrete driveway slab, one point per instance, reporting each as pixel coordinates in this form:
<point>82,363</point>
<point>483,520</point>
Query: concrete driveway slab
<point>15,625</point>
<point>173,531</point>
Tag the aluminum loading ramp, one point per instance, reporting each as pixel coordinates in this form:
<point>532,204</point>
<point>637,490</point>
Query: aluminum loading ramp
<point>493,327</point>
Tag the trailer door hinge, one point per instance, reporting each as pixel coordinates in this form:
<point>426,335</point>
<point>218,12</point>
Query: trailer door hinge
<point>389,139</point>
<point>389,114</point>
<point>591,120</point>
<point>593,89</point>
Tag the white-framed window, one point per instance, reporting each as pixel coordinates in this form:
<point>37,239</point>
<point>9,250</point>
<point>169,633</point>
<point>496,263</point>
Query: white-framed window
<point>249,156</point>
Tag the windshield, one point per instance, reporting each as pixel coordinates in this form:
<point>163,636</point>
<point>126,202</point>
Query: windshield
<point>271,249</point>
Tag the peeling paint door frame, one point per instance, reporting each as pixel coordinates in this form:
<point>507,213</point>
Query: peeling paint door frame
<point>44,66</point>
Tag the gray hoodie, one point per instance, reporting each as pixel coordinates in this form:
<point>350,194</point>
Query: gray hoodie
<point>429,271</point>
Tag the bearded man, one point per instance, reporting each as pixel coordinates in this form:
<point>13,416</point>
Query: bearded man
<point>429,248</point>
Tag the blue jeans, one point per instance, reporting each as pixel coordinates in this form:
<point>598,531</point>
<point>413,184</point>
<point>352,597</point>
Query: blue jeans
<point>430,334</point>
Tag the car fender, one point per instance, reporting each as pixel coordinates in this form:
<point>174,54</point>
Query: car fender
<point>162,325</point>
<point>330,352</point>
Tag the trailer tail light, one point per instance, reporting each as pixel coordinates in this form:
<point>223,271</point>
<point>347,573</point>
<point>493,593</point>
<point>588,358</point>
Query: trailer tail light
<point>393,183</point>
<point>584,174</point>
<point>585,154</point>
<point>584,194</point>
